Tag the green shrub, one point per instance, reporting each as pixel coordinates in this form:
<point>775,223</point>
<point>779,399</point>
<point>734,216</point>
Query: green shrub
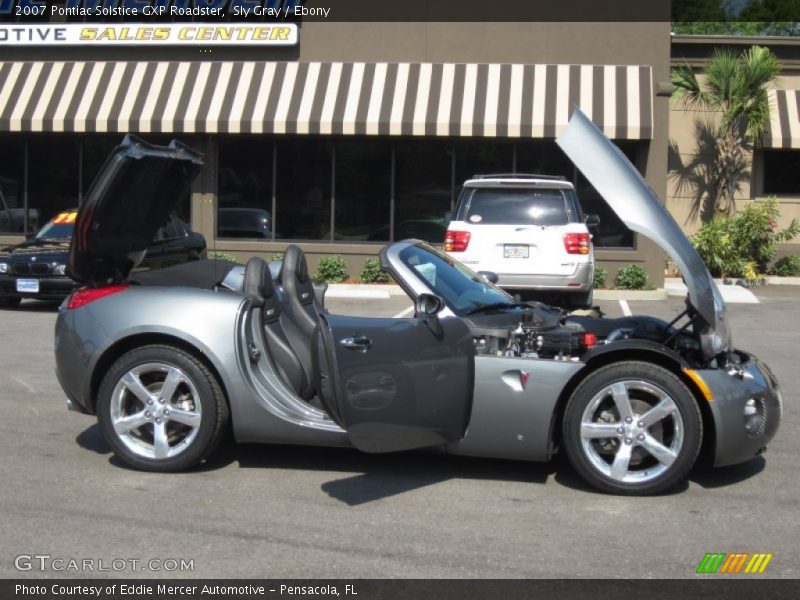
<point>276,257</point>
<point>331,269</point>
<point>600,277</point>
<point>788,266</point>
<point>213,254</point>
<point>743,245</point>
<point>372,272</point>
<point>631,277</point>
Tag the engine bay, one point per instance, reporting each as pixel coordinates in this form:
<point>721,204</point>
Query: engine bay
<point>546,332</point>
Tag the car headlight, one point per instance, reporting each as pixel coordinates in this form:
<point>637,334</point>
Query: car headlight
<point>60,270</point>
<point>3,267</point>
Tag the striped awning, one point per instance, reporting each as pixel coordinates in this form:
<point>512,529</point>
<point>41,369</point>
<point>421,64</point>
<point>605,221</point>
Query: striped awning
<point>783,130</point>
<point>410,99</point>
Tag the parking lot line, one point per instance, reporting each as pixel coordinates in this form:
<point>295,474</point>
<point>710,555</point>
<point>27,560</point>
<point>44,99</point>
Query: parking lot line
<point>626,309</point>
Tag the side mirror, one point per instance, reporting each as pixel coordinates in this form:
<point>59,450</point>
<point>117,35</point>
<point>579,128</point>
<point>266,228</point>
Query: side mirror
<point>592,221</point>
<point>489,276</point>
<point>428,305</point>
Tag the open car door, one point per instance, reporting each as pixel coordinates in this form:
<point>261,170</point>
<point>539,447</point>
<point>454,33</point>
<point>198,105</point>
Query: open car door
<point>397,384</point>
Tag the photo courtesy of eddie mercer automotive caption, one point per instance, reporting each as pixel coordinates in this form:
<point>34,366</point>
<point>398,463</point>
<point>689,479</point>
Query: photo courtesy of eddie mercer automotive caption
<point>632,401</point>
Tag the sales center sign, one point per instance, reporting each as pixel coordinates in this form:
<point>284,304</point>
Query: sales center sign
<point>142,33</point>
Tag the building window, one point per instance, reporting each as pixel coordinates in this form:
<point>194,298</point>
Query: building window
<point>781,173</point>
<point>423,190</point>
<point>12,188</point>
<point>303,177</point>
<point>612,232</point>
<point>363,190</point>
<point>543,157</point>
<point>53,177</point>
<point>244,203</point>
<point>481,157</point>
<point>373,185</point>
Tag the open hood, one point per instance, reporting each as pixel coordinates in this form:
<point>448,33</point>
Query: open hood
<point>629,196</point>
<point>131,197</point>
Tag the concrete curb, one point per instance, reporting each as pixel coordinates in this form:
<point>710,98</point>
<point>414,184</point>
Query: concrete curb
<point>635,295</point>
<point>783,280</point>
<point>360,290</point>
<point>734,294</point>
<point>384,292</point>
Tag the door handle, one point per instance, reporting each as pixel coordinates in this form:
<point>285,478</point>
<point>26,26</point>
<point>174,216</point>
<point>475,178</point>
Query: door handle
<point>359,343</point>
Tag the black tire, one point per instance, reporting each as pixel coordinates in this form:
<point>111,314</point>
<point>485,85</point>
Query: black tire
<point>594,458</point>
<point>10,302</point>
<point>214,412</point>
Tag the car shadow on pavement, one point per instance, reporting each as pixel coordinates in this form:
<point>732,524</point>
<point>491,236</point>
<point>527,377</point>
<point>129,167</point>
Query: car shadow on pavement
<point>91,439</point>
<point>29,306</point>
<point>708,477</point>
<point>381,476</point>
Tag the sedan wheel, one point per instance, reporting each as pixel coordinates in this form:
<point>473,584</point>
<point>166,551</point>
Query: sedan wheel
<point>632,428</point>
<point>160,409</point>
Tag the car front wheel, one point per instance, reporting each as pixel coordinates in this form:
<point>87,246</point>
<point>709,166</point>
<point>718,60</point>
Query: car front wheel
<point>632,428</point>
<point>160,409</point>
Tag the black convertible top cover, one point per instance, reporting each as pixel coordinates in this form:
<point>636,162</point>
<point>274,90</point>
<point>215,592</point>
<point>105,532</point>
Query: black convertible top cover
<point>203,274</point>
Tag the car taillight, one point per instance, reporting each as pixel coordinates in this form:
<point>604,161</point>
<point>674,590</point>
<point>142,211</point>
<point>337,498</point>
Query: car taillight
<point>84,296</point>
<point>456,241</point>
<point>577,243</point>
<point>589,340</point>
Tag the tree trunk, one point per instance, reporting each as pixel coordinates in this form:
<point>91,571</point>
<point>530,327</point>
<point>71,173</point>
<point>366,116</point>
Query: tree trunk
<point>729,166</point>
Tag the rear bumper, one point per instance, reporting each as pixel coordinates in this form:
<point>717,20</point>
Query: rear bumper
<point>579,281</point>
<point>51,288</point>
<point>734,444</point>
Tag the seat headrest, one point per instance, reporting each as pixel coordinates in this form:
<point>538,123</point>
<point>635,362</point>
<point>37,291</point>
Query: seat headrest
<point>294,263</point>
<point>258,280</point>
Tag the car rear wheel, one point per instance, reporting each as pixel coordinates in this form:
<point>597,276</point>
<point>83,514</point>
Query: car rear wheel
<point>10,302</point>
<point>632,428</point>
<point>161,409</point>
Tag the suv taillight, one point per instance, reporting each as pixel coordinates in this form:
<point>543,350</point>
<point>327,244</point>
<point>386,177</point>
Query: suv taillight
<point>84,296</point>
<point>456,241</point>
<point>577,243</point>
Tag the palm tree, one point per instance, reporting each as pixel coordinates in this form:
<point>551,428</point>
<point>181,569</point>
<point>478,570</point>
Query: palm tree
<point>736,88</point>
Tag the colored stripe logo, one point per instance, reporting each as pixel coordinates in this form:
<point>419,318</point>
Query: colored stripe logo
<point>734,563</point>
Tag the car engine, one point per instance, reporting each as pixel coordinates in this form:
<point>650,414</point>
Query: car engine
<point>546,332</point>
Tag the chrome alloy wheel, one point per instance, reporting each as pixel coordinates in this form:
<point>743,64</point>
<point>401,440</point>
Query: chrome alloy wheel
<point>632,431</point>
<point>155,410</point>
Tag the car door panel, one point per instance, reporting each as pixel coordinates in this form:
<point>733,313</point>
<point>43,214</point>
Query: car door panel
<point>400,383</point>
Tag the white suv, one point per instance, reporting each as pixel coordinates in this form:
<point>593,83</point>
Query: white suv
<point>527,229</point>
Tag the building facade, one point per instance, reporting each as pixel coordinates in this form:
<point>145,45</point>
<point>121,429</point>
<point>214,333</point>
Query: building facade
<point>359,135</point>
<point>773,166</point>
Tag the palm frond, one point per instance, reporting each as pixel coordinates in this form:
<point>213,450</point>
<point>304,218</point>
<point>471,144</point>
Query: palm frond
<point>687,87</point>
<point>721,77</point>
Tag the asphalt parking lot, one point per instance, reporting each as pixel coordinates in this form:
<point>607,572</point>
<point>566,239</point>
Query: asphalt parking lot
<point>288,512</point>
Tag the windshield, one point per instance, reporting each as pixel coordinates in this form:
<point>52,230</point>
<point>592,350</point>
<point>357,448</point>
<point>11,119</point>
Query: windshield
<point>462,289</point>
<point>59,227</point>
<point>507,206</point>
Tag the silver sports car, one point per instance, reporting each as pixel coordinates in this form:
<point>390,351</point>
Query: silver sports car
<point>168,370</point>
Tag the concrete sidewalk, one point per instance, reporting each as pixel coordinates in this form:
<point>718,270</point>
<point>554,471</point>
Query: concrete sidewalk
<point>733,294</point>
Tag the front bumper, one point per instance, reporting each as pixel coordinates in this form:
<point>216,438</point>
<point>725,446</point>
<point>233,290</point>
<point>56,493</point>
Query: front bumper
<point>752,381</point>
<point>51,288</point>
<point>579,281</point>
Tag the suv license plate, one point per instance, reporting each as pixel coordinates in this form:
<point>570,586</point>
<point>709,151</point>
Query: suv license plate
<point>515,251</point>
<point>28,286</point>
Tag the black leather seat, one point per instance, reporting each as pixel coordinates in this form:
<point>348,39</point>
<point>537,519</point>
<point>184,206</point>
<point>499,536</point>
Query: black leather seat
<point>301,303</point>
<point>278,329</point>
<point>298,290</point>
